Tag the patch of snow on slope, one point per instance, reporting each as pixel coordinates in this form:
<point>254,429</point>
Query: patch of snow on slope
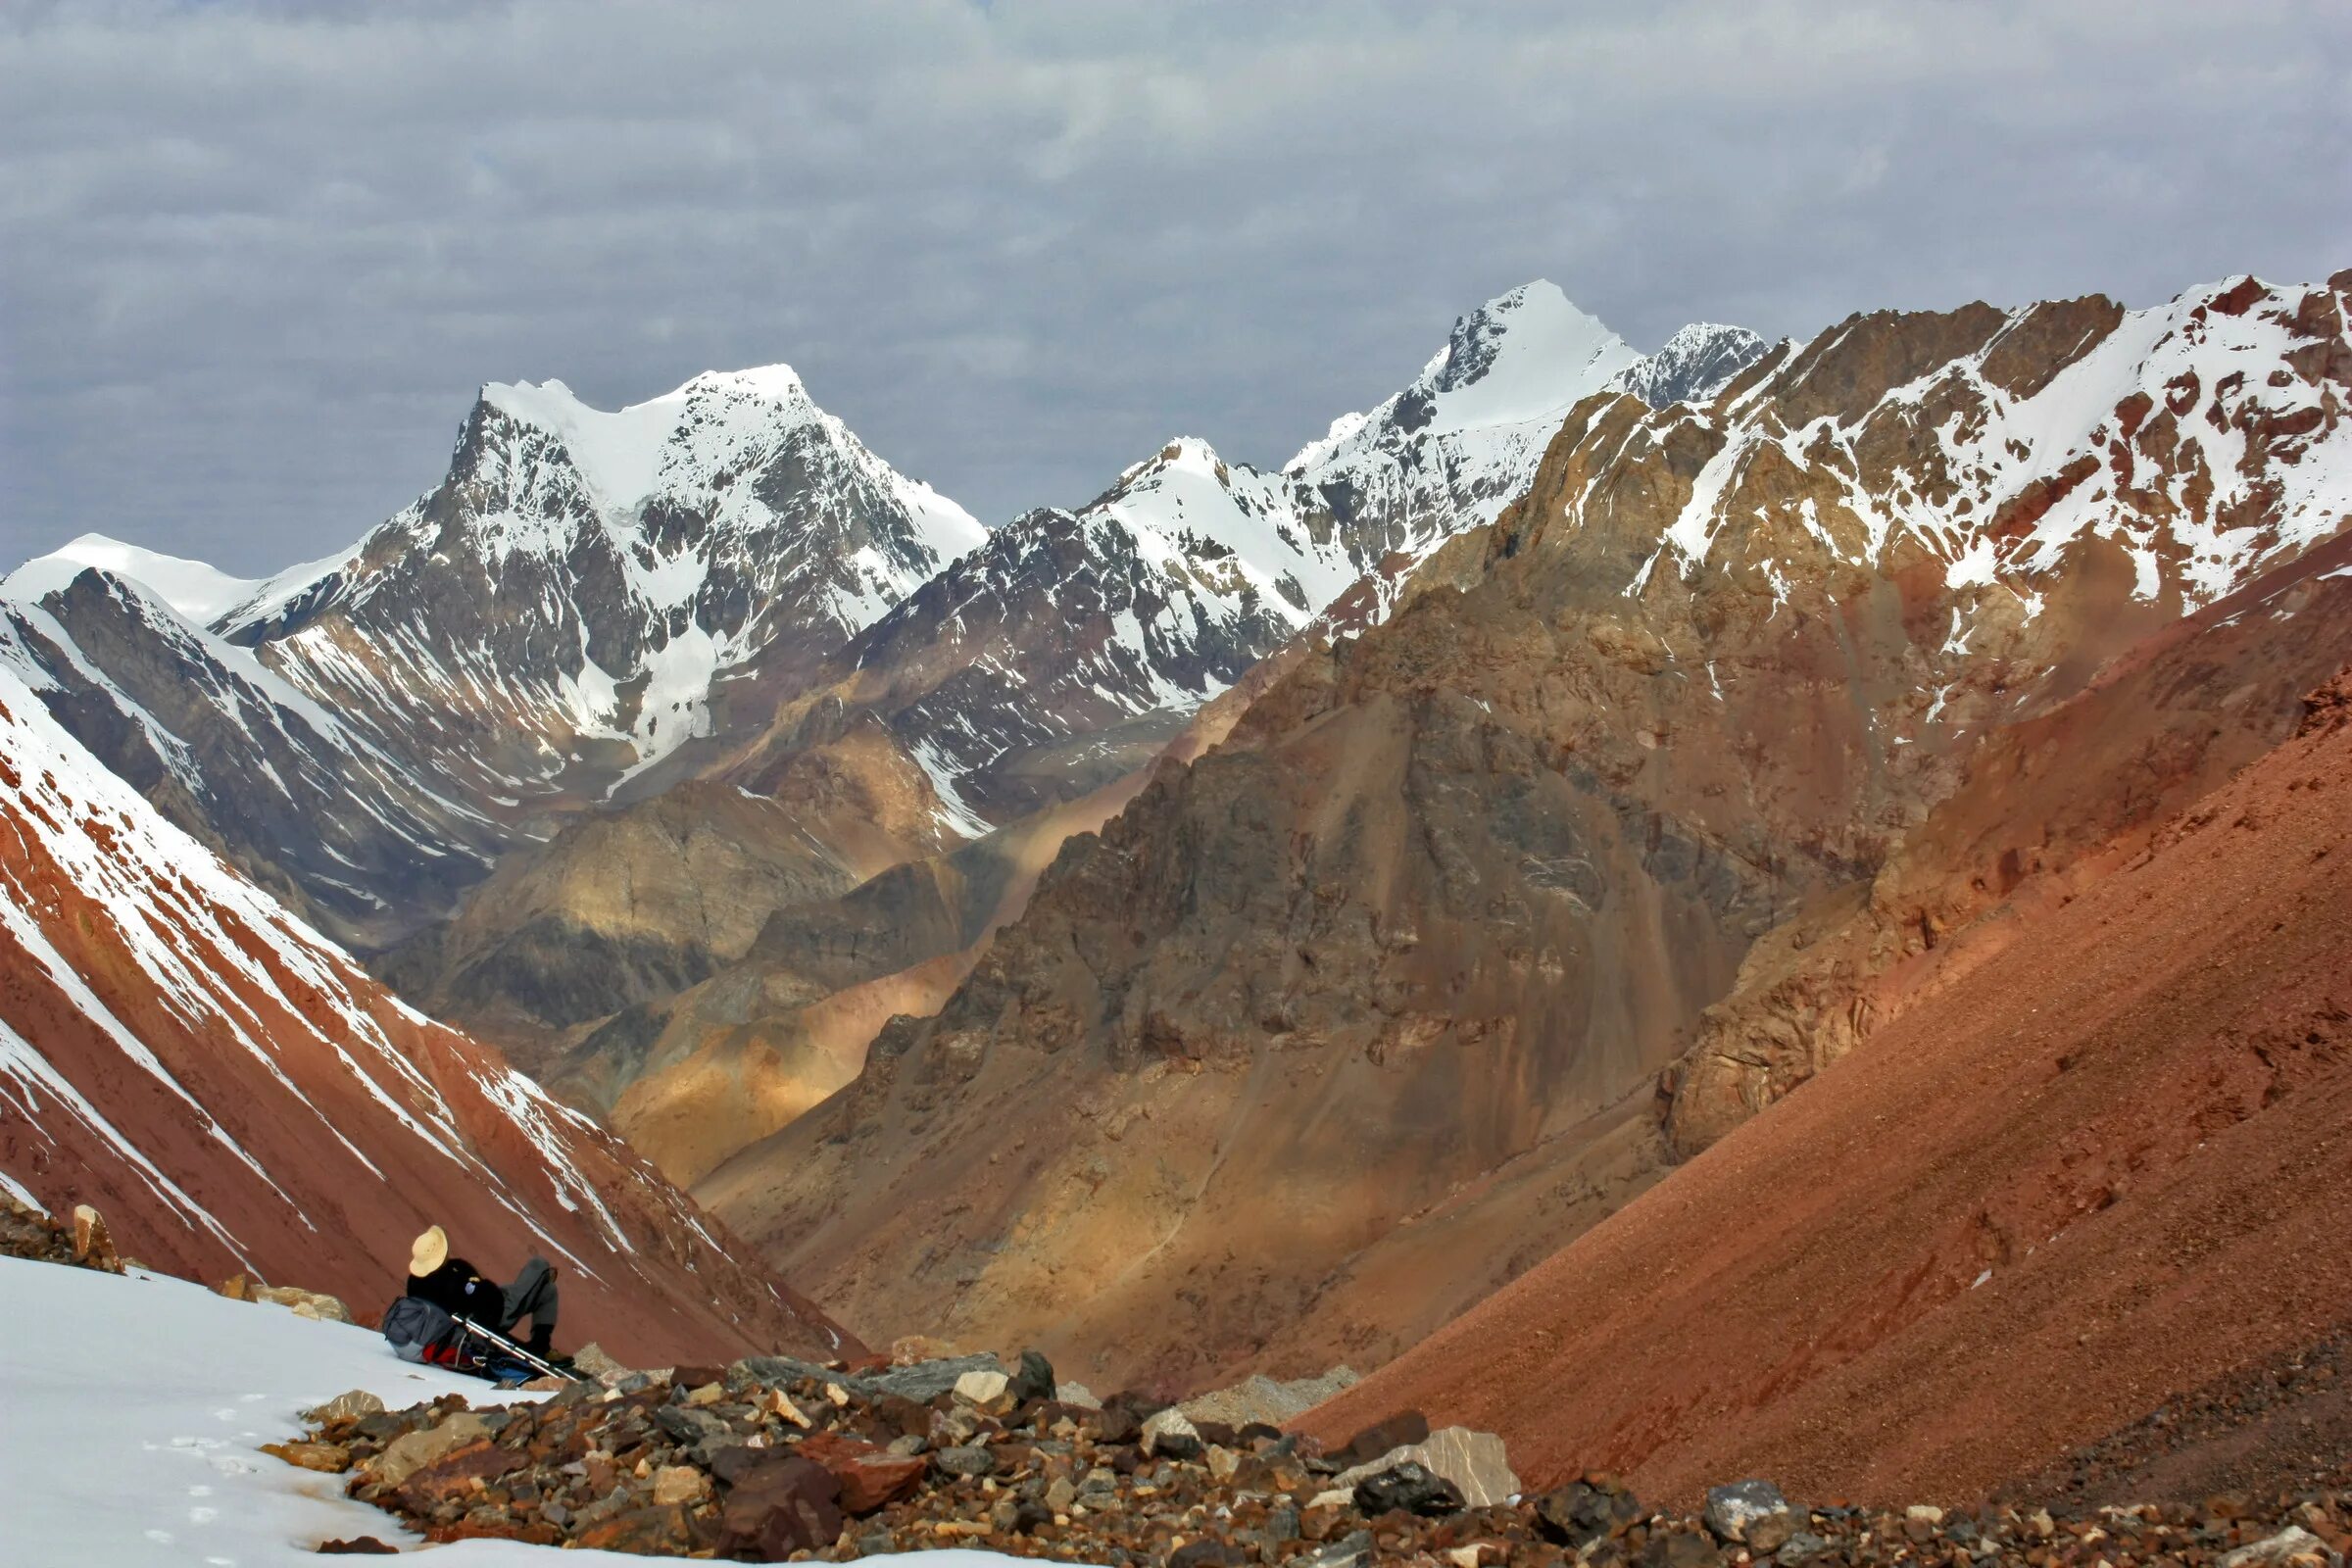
<point>136,1408</point>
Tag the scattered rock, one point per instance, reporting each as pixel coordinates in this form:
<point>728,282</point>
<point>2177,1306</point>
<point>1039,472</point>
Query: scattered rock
<point>1164,1425</point>
<point>963,1461</point>
<point>327,1457</point>
<point>348,1405</point>
<point>93,1243</point>
<point>1032,1381</point>
<point>591,1358</point>
<point>982,1387</point>
<point>1586,1510</point>
<point>2291,1548</point>
<point>357,1546</point>
<point>413,1452</point>
<point>316,1305</point>
<point>869,1472</point>
<point>1732,1509</point>
<point>1408,1486</point>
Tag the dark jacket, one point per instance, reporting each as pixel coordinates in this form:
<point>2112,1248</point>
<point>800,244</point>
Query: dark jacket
<point>457,1288</point>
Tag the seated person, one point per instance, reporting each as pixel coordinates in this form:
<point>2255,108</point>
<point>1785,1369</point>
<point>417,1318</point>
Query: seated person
<point>462,1291</point>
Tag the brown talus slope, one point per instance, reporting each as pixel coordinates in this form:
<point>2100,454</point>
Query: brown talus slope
<point>1344,1025</point>
<point>2106,1163</point>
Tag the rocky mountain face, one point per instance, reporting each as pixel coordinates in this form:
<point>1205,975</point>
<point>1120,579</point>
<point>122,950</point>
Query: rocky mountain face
<point>1335,1031</point>
<point>234,1094</point>
<point>233,752</point>
<point>1697,363</point>
<point>1032,674</point>
<point>555,623</point>
<point>2108,1110</point>
<point>1064,651</point>
<point>654,898</point>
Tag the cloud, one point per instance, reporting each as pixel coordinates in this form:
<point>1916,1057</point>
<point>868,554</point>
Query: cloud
<point>255,257</point>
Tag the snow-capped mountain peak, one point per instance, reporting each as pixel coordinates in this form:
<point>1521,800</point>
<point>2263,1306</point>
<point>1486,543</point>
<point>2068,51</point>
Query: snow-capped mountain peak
<point>1692,365</point>
<point>197,591</point>
<point>1516,356</point>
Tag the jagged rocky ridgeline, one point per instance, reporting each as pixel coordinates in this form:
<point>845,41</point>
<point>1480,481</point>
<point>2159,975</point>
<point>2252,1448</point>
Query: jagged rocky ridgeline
<point>773,1460</point>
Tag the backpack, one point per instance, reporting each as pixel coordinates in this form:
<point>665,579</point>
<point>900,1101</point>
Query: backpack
<point>417,1329</point>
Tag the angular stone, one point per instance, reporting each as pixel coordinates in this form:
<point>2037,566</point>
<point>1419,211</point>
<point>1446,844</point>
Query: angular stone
<point>1170,1422</point>
<point>1771,1533</point>
<point>1732,1509</point>
<point>1262,1398</point>
<point>1801,1547</point>
<point>93,1243</point>
<point>1078,1394</point>
<point>657,1532</point>
<point>356,1547</point>
<point>693,1427</point>
<point>457,1473</point>
<point>327,1457</point>
<point>404,1455</point>
<point>1032,1381</point>
<point>347,1404</point>
<point>1474,1461</point>
<point>780,1505</point>
<point>680,1484</point>
<point>982,1386</point>
<point>316,1305</point>
<point>1584,1510</point>
<point>964,1461</point>
<point>1410,1487</point>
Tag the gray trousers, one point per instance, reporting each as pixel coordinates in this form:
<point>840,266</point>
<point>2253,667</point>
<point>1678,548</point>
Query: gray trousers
<point>532,1295</point>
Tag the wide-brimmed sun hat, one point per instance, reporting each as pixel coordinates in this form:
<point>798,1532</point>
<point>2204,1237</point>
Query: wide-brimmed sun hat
<point>429,1253</point>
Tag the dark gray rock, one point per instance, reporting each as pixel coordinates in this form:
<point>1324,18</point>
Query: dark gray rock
<point>1411,1487</point>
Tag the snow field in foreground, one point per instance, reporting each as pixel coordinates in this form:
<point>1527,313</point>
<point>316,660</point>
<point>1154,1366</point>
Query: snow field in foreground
<point>132,1410</point>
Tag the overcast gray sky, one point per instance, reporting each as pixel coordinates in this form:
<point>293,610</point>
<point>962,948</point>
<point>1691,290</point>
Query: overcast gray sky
<point>254,257</point>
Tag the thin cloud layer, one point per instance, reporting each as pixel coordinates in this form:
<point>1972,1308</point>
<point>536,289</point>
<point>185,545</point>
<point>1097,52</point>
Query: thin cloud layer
<point>255,257</point>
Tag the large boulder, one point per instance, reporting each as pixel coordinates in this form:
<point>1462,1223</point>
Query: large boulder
<point>779,1503</point>
<point>1474,1461</point>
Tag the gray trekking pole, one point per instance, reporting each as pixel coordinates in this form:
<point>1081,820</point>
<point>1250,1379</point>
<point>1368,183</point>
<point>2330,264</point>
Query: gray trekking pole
<point>518,1352</point>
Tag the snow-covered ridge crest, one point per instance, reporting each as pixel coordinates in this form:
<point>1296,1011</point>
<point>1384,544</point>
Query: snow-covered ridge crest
<point>197,591</point>
<point>623,454</point>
